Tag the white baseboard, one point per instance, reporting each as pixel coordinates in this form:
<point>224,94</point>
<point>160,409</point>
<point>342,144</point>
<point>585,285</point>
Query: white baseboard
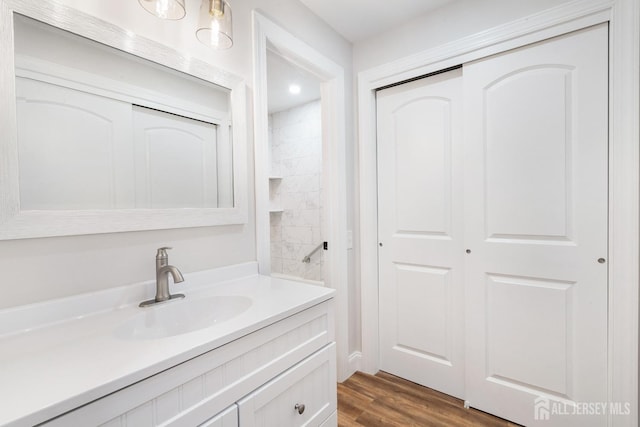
<point>355,359</point>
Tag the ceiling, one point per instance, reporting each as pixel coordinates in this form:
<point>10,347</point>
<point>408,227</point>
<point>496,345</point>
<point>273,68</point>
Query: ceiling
<point>355,20</point>
<point>359,19</point>
<point>280,75</point>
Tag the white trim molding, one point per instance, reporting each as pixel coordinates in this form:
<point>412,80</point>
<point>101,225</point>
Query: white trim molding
<point>355,361</point>
<point>624,167</point>
<point>331,76</point>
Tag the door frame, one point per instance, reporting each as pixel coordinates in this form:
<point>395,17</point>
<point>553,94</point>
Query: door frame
<point>624,167</point>
<point>267,35</point>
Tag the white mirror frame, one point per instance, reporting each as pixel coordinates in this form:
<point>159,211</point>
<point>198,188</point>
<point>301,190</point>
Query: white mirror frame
<point>17,224</point>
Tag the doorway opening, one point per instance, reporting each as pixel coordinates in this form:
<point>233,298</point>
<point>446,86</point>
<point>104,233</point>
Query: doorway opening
<point>269,37</point>
<point>295,172</point>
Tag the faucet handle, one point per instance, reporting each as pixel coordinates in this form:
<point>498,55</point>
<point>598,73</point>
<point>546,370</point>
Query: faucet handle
<point>162,252</point>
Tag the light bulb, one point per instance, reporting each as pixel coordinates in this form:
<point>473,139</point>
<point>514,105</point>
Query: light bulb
<point>294,89</point>
<point>214,24</point>
<point>165,9</point>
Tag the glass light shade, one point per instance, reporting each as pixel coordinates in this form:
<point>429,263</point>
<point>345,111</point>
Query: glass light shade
<point>214,24</point>
<point>165,9</point>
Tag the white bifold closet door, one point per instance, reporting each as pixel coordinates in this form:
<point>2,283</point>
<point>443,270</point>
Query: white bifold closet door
<point>493,269</point>
<point>420,228</point>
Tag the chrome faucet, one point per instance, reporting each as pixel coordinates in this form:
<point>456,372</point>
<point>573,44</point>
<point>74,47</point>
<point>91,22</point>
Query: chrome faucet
<point>163,270</point>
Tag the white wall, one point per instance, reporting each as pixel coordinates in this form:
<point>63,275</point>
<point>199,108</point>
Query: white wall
<point>448,23</point>
<point>296,157</point>
<point>39,269</point>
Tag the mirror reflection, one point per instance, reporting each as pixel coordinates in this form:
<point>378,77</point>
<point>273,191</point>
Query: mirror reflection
<point>99,128</point>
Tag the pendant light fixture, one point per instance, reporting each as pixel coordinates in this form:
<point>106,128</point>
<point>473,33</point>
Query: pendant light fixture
<point>165,9</point>
<point>214,22</point>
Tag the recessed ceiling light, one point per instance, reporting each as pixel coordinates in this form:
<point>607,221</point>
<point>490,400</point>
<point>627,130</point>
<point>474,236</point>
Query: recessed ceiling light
<point>294,89</point>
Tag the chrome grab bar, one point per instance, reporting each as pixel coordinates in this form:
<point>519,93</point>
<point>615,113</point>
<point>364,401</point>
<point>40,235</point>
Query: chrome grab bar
<point>307,259</point>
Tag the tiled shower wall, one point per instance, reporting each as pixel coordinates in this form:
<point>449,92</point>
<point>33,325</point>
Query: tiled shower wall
<point>296,158</point>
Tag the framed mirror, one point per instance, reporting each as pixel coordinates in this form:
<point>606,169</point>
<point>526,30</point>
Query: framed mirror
<point>104,131</point>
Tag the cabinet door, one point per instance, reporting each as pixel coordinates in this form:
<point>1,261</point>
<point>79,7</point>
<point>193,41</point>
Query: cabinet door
<point>227,418</point>
<point>145,416</point>
<point>332,421</point>
<point>305,395</point>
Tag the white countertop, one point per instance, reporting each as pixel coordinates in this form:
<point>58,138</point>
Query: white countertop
<point>59,355</point>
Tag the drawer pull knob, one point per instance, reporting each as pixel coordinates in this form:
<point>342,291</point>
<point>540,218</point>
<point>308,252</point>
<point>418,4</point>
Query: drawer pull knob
<point>300,408</point>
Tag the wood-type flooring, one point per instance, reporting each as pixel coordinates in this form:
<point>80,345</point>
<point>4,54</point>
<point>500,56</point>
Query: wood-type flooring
<point>386,400</point>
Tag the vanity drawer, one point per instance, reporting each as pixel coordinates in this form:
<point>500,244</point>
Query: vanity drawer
<point>311,383</point>
<point>191,392</point>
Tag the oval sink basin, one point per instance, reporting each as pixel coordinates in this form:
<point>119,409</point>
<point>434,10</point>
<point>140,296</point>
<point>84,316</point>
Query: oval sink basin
<point>182,316</point>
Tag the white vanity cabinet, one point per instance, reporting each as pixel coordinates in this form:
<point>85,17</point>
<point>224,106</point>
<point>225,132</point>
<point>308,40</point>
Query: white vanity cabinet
<point>266,373</point>
<point>304,395</point>
<point>228,418</point>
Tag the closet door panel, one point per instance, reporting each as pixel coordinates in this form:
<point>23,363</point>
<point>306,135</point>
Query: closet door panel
<point>74,148</point>
<point>420,228</point>
<point>423,170</point>
<point>536,224</point>
<point>528,157</point>
<point>176,160</point>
